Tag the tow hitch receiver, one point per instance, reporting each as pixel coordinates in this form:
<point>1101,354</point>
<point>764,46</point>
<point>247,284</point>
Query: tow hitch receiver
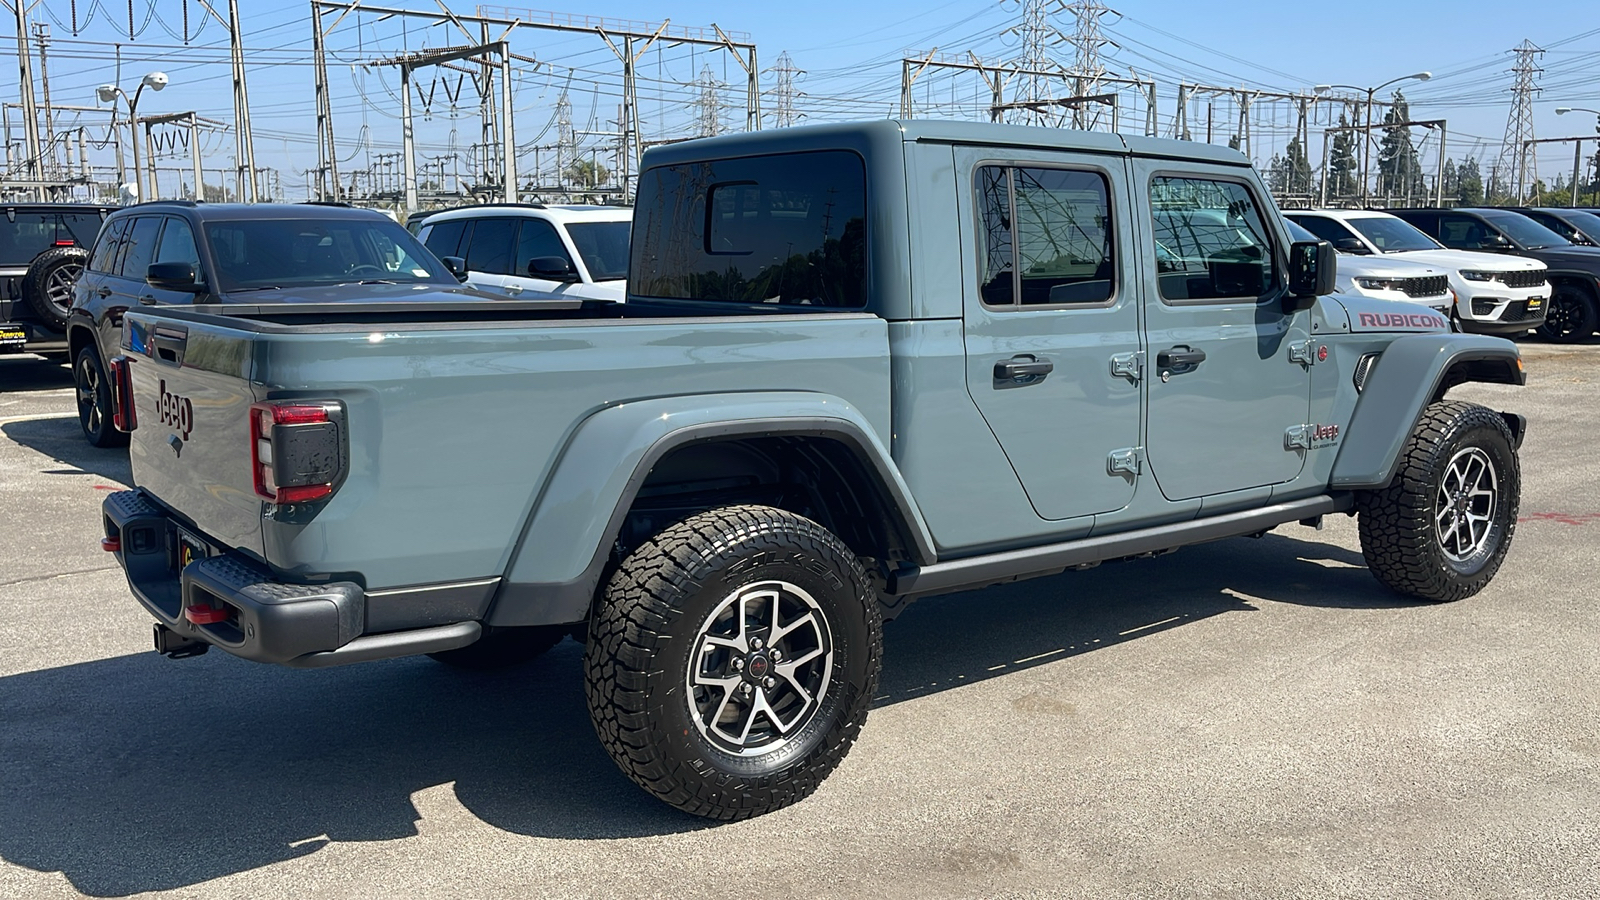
<point>173,645</point>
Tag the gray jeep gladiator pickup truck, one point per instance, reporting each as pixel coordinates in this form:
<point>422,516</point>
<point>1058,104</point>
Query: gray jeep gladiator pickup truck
<point>858,364</point>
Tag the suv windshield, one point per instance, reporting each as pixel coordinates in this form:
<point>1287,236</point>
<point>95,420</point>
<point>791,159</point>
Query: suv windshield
<point>603,246</point>
<point>1391,235</point>
<point>259,253</point>
<point>1527,233</point>
<point>32,233</point>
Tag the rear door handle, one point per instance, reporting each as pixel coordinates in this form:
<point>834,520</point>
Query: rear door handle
<point>102,292</point>
<point>1180,358</point>
<point>148,299</point>
<point>513,289</point>
<point>1023,370</point>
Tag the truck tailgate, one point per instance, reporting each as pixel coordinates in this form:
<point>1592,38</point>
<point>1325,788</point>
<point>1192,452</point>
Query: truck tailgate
<point>191,446</point>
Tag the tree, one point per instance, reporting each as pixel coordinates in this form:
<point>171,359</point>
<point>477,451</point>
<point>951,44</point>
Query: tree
<point>1468,183</point>
<point>1399,169</point>
<point>587,173</point>
<point>1342,163</point>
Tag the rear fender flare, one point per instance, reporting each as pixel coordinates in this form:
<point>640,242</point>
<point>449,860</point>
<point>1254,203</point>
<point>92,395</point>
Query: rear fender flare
<point>1413,371</point>
<point>556,566</point>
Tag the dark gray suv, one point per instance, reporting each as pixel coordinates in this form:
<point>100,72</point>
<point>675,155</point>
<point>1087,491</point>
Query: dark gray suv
<point>170,253</point>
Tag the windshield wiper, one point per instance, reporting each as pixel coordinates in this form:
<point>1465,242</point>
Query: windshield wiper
<point>259,287</point>
<point>375,281</point>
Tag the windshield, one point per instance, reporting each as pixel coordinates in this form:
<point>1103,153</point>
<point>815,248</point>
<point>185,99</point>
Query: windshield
<point>32,233</point>
<point>1391,235</point>
<point>604,248</point>
<point>276,253</point>
<point>1586,222</point>
<point>1527,233</point>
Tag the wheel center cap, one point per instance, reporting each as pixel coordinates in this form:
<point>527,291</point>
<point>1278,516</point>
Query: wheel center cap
<point>758,666</point>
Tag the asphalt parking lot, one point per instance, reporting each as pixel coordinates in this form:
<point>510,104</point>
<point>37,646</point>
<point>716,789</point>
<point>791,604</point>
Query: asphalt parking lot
<point>1250,718</point>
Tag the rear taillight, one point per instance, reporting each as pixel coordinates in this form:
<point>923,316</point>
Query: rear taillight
<point>121,378</point>
<point>297,450</point>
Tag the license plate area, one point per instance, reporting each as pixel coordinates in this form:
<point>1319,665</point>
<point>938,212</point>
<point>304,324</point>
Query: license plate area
<point>12,336</point>
<point>186,548</point>
<point>1535,304</point>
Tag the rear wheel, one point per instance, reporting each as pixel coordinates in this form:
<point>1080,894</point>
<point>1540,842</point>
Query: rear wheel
<point>94,401</point>
<point>732,660</point>
<point>1573,315</point>
<point>47,286</point>
<point>1442,527</point>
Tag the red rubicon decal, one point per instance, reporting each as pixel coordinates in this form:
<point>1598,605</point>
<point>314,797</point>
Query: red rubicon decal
<point>1399,320</point>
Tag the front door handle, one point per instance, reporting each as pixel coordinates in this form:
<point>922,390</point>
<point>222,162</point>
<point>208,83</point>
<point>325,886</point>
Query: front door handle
<point>103,292</point>
<point>1022,370</point>
<point>513,289</point>
<point>1180,358</point>
<point>148,299</point>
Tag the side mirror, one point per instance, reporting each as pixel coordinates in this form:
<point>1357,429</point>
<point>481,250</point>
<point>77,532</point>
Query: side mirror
<point>1352,246</point>
<point>1494,241</point>
<point>172,276</point>
<point>456,265</point>
<point>555,268</point>
<point>1313,267</point>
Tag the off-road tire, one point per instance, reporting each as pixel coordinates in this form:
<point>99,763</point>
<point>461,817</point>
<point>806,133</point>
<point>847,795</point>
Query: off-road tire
<point>661,604</point>
<point>1573,315</point>
<point>94,401</point>
<point>502,648</point>
<point>48,275</point>
<point>1399,536</point>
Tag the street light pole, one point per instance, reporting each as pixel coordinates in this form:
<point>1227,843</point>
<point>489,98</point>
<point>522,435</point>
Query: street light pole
<point>108,93</point>
<point>1577,148</point>
<point>1366,144</point>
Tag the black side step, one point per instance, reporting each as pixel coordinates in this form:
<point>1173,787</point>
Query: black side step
<point>1031,562</point>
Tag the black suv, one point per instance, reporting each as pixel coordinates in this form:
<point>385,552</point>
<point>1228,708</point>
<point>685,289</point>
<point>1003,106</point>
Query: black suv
<point>182,253</point>
<point>42,248</point>
<point>1574,311</point>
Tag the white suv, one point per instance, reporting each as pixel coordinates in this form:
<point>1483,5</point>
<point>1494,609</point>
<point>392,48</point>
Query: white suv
<point>572,252</point>
<point>1494,293</point>
<point>1388,279</point>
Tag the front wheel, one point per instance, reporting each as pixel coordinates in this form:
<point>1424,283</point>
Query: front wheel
<point>1573,315</point>
<point>94,401</point>
<point>732,660</point>
<point>1442,527</point>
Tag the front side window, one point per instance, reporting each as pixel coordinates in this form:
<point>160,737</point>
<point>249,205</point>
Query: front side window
<point>537,238</point>
<point>1462,232</point>
<point>1211,240</point>
<point>1327,229</point>
<point>787,230</point>
<point>177,245</point>
<point>604,248</point>
<point>1047,237</point>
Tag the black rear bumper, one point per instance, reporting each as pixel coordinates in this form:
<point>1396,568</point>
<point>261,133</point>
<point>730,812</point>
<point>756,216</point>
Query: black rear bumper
<point>245,608</point>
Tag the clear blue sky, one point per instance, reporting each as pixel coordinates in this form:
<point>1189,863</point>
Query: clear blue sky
<point>850,52</point>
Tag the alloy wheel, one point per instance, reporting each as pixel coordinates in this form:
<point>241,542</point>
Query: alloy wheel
<point>1465,504</point>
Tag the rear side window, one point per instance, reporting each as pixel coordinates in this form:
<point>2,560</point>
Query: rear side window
<point>786,230</point>
<point>444,238</point>
<point>1048,238</point>
<point>139,247</point>
<point>106,246</point>
<point>1211,240</point>
<point>489,249</point>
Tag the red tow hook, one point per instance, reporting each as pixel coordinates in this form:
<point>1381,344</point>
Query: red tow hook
<point>111,544</point>
<point>205,615</point>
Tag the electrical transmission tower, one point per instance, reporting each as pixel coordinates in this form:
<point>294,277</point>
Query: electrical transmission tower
<point>1087,39</point>
<point>566,138</point>
<point>708,108</point>
<point>1037,34</point>
<point>1517,163</point>
<point>784,114</point>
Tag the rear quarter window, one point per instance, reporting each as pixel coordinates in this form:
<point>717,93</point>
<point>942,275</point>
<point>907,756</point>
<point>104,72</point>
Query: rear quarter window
<point>784,230</point>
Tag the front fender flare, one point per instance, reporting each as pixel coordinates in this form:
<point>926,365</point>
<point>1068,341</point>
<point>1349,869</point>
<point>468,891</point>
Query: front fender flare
<point>1407,377</point>
<point>557,563</point>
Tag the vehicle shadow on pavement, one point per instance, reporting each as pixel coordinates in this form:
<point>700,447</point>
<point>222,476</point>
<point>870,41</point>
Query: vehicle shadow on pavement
<point>62,440</point>
<point>137,773</point>
<point>31,373</point>
<point>948,641</point>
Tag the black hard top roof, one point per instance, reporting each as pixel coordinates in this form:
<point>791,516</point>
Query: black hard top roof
<point>236,211</point>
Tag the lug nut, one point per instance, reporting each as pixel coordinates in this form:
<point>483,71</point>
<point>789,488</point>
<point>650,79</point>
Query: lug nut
<point>756,643</point>
<point>769,682</point>
<point>776,654</point>
<point>738,664</point>
<point>745,689</point>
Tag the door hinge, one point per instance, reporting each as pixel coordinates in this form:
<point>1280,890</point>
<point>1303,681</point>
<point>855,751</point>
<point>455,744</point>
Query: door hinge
<point>1128,461</point>
<point>1128,365</point>
<point>1303,353</point>
<point>1310,437</point>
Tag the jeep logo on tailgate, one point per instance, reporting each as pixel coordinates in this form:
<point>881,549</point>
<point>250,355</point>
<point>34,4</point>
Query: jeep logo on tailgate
<point>176,410</point>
